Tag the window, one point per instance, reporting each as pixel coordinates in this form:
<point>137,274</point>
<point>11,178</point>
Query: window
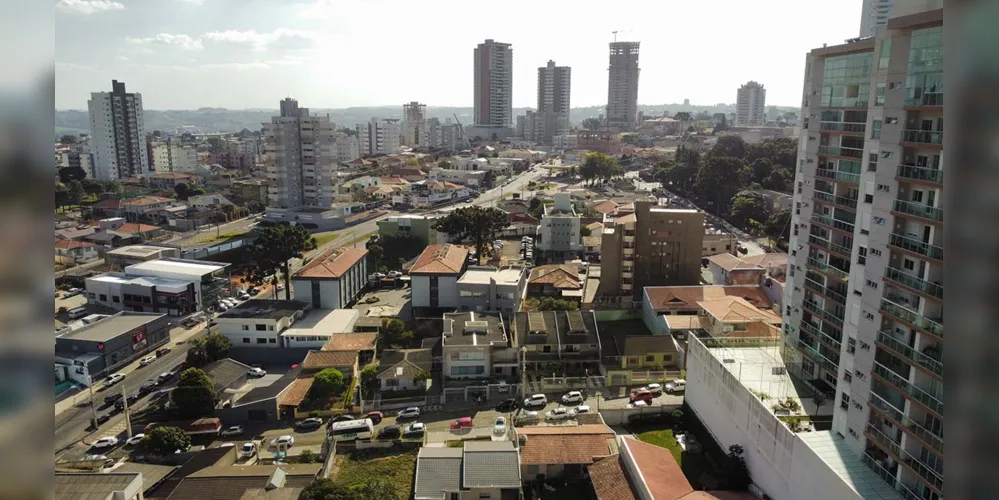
<point>878,220</point>
<point>847,377</point>
<point>246,340</point>
<point>860,374</point>
<point>261,328</point>
<point>879,96</point>
<point>865,346</point>
<point>116,299</point>
<point>851,345</point>
<point>852,432</point>
<point>875,252</point>
<point>858,406</point>
<point>891,120</point>
<point>633,360</point>
<point>650,359</point>
<point>246,327</point>
<point>844,402</point>
<point>868,316</point>
<point>871,284</point>
<point>908,264</point>
<point>261,341</point>
<point>861,255</point>
<point>272,341</point>
<point>868,198</point>
<point>884,56</point>
<point>884,188</point>
<point>876,129</point>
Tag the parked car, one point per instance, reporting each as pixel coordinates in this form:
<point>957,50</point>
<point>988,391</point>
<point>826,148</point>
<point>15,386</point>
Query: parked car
<point>579,409</point>
<point>100,420</point>
<point>148,386</point>
<point>536,400</point>
<point>244,296</point>
<point>110,399</point>
<point>166,376</point>
<point>105,442</point>
<point>309,424</point>
<point>282,441</point>
<point>256,372</point>
<point>96,456</point>
<point>411,412</point>
<point>232,430</point>
<point>147,360</point>
<point>120,405</point>
<point>559,413</point>
<point>346,417</point>
<point>162,352</point>
<point>375,416</point>
<point>415,430</point>
<point>253,290</point>
<point>655,389</point>
<point>677,385</point>
<point>572,397</point>
<point>390,432</point>
<point>114,379</point>
<point>641,395</point>
<point>507,405</point>
<point>499,428</point>
<point>462,423</point>
<point>134,440</point>
<point>248,450</point>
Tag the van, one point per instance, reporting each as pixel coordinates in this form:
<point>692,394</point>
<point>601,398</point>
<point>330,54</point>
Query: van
<point>77,312</point>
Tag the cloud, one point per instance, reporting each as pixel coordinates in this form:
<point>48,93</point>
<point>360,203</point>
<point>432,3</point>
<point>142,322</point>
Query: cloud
<point>87,7</point>
<point>183,41</point>
<point>279,39</point>
<point>228,66</point>
<point>192,2</point>
<point>121,58</point>
<point>68,66</point>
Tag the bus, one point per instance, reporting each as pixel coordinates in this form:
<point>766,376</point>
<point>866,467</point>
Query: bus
<point>351,430</point>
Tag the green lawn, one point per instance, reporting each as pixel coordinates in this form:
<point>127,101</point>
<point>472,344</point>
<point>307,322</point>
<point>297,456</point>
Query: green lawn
<point>324,238</point>
<point>362,466</point>
<point>663,438</point>
<point>693,465</point>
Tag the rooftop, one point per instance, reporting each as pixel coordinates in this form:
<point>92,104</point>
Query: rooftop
<point>195,269</point>
<point>474,329</point>
<point>491,464</point>
<point>224,373</point>
<point>164,284</point>
<point>323,322</point>
<point>440,259</point>
<point>297,390</point>
<point>91,486</point>
<point>730,262</point>
<point>737,310</point>
<point>112,326</point>
<point>687,297</point>
<point>577,327</point>
<point>437,470</point>
<point>538,327</point>
<point>578,444</point>
<point>838,456</point>
<point>658,469</point>
<point>72,244</point>
<point>138,250</point>
<point>333,263</point>
<point>484,275</point>
<point>318,360</point>
<point>560,276</point>
<point>351,341</point>
<point>265,309</point>
<point>404,363</point>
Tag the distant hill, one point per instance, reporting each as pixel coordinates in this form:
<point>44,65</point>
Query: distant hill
<point>206,120</point>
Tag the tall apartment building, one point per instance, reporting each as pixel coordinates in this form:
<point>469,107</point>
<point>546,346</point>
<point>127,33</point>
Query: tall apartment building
<point>559,235</point>
<point>531,126</point>
<point>493,86</point>
<point>750,105</point>
<point>554,83</point>
<point>652,246</point>
<point>864,299</point>
<point>622,85</point>
<point>299,157</point>
<point>379,136</point>
<point>118,134</point>
<point>347,147</point>
<point>170,156</point>
<point>414,125</point>
<point>874,13</point>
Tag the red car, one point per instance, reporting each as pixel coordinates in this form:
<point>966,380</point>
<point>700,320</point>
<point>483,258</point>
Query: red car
<point>462,423</point>
<point>641,395</point>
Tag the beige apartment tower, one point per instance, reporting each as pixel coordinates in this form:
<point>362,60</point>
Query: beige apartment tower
<point>299,156</point>
<point>622,86</point>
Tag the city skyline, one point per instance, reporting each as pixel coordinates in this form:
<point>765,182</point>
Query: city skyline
<point>187,55</point>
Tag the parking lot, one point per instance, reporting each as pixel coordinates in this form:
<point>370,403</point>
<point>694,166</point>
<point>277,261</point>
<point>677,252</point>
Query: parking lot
<point>392,302</point>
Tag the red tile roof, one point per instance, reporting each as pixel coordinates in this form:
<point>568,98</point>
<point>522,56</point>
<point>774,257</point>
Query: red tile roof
<point>145,200</point>
<point>71,244</point>
<point>659,469</point>
<point>562,276</point>
<point>172,175</point>
<point>566,445</point>
<point>296,392</point>
<point>133,228</point>
<point>440,259</point>
<point>111,204</point>
<point>351,342</point>
<point>333,263</point>
<point>687,297</point>
<point>609,480</point>
<point>329,359</point>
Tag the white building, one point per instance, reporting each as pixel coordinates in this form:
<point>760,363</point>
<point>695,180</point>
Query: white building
<point>299,158</point>
<point>347,147</point>
<point>172,157</point>
<point>117,134</point>
<point>333,280</point>
<point>211,279</point>
<point>259,323</point>
<point>470,178</point>
<point>874,13</point>
<point>750,105</point>
<point>379,136</point>
<point>559,235</point>
<point>565,142</point>
<point>435,276</point>
<point>493,63</point>
<point>554,83</point>
<point>208,201</point>
<point>121,292</point>
<point>622,85</point>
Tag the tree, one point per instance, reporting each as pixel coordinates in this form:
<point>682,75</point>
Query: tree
<point>375,254</point>
<point>551,304</point>
<point>675,175</point>
<point>597,165</point>
<point>394,331</point>
<point>585,231</point>
<point>197,352</point>
<point>778,226</point>
<point>421,375</point>
<point>217,346</point>
<point>778,180</point>
<point>444,164</point>
<point>61,195</point>
<point>215,144</point>
<point>535,208</point>
<point>592,124</point>
<point>760,169</point>
<point>67,140</point>
<point>369,376</point>
<point>718,180</point>
<point>165,440</point>
<point>749,210</point>
<point>185,190</point>
<point>327,489</point>
<point>273,250</point>
<point>75,192</point>
<point>734,469</point>
<point>683,117</point>
<point>69,174</point>
<point>729,145</point>
<point>412,161</point>
<point>327,383</point>
<point>478,224</point>
<point>819,401</point>
<point>194,394</point>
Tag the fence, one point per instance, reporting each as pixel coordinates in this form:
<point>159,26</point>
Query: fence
<point>618,416</point>
<point>212,250</point>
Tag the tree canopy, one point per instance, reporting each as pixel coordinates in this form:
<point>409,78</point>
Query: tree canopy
<point>204,350</point>
<point>165,440</point>
<point>194,394</point>
<point>394,332</point>
<point>67,174</point>
<point>327,489</point>
<point>551,304</point>
<point>185,190</point>
<point>478,224</point>
<point>273,250</point>
<point>591,124</point>
<point>750,210</point>
<point>778,227</point>
<point>718,179</point>
<point>599,166</point>
<point>327,383</point>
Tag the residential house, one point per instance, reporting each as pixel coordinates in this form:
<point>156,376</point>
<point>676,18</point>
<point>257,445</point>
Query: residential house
<point>346,362</point>
<point>604,207</point>
<point>727,269</point>
<point>487,288</point>
<point>112,239</point>
<point>136,209</point>
<point>639,359</point>
<point>169,180</point>
<point>435,277</point>
<point>402,370</point>
<point>564,281</point>
<point>246,482</point>
<point>97,486</point>
<point>662,302</point>
<point>260,323</point>
<point>563,451</point>
<point>479,470</point>
<point>140,231</point>
<point>108,208</point>
<point>476,346</point>
<point>73,252</point>
<point>333,280</point>
<point>363,343</point>
<point>213,201</point>
<point>75,233</point>
<point>559,341</point>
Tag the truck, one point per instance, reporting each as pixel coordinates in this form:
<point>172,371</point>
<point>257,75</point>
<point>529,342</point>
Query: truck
<point>191,428</point>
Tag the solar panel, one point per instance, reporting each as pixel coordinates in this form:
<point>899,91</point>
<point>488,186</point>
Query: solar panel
<point>576,324</point>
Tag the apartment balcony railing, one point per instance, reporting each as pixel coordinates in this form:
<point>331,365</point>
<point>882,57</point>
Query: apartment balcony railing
<point>904,491</point>
<point>836,200</point>
<point>832,341</point>
<point>816,356</point>
<point>934,99</point>
<point>815,308</point>
<point>934,175</point>
<point>929,474</point>
<point>916,393</point>
<point>841,151</point>
<point>886,442</point>
<point>829,173</point>
<point>825,291</point>
<point>828,270</point>
<point>844,127</point>
<point>932,364</point>
<point>914,282</point>
<point>885,407</point>
<point>828,245</point>
<point>909,316</point>
<point>918,210</point>
<point>922,137</point>
<point>833,223</point>
<point>907,424</point>
<point>915,246</point>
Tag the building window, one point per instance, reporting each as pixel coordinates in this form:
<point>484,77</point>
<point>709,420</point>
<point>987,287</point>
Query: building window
<point>246,327</point>
<point>851,345</point>
<point>876,129</point>
<point>844,402</point>
<point>847,377</point>
<point>875,252</point>
<point>115,299</point>
<point>862,255</point>
<point>272,341</point>
<point>261,341</point>
<point>261,328</point>
<point>633,360</point>
<point>879,96</point>
<point>650,359</point>
<point>246,340</point>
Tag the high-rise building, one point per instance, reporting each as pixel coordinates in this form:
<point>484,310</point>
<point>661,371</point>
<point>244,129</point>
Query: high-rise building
<point>171,156</point>
<point>299,157</point>
<point>622,85</point>
<point>414,125</point>
<point>493,85</point>
<point>379,136</point>
<point>750,105</point>
<point>874,13</point>
<point>864,299</point>
<point>118,134</point>
<point>554,84</point>
<point>347,147</point>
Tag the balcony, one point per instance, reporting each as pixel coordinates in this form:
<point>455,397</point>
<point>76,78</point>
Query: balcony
<point>922,174</point>
<point>934,99</point>
<point>833,223</point>
<point>930,363</point>
<point>904,491</point>
<point>914,282</point>
<point>929,474</point>
<point>822,336</point>
<point>836,200</point>
<point>828,270</point>
<point>814,308</point>
<point>849,127</point>
<point>886,442</point>
<point>825,291</point>
<point>840,151</point>
<point>828,245</point>
<point>915,319</point>
<point>917,394</point>
<point>915,246</point>
<point>918,210</point>
<point>837,175</point>
<point>923,137</point>
<point>817,357</point>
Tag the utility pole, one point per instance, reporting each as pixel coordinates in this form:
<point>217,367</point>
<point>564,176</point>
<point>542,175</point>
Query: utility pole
<point>124,401</point>
<point>93,409</point>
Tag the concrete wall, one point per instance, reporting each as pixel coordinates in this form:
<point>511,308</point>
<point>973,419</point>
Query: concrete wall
<point>420,286</point>
<point>619,416</point>
<point>242,412</point>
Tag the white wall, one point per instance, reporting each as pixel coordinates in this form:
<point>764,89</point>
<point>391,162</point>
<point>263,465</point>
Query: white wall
<point>233,329</point>
<point>108,289</point>
<point>420,287</point>
<point>447,291</point>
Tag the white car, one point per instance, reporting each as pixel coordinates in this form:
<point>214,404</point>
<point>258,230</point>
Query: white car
<point>529,417</point>
<point>256,372</point>
<point>222,306</point>
<point>580,409</point>
<point>134,440</point>
<point>415,428</point>
<point>638,404</point>
<point>676,385</point>
<point>234,430</point>
<point>572,397</point>
<point>499,428</point>
<point>282,441</point>
<point>244,296</point>
<point>146,361</point>
<point>231,302</point>
<point>654,388</point>
<point>248,450</point>
<point>394,274</point>
<point>114,379</point>
<point>105,442</point>
<point>557,414</point>
<point>411,412</point>
<point>536,400</point>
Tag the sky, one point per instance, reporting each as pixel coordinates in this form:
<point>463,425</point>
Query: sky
<point>237,54</point>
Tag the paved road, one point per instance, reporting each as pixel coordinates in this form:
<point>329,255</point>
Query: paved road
<point>199,237</point>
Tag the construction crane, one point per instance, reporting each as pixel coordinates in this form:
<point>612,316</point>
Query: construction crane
<point>462,140</point>
<point>618,31</point>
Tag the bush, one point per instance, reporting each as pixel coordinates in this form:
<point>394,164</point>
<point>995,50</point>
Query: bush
<point>314,414</point>
<point>328,383</point>
<point>165,440</point>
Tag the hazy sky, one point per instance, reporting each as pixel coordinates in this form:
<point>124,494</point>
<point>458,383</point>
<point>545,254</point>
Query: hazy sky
<point>184,54</point>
